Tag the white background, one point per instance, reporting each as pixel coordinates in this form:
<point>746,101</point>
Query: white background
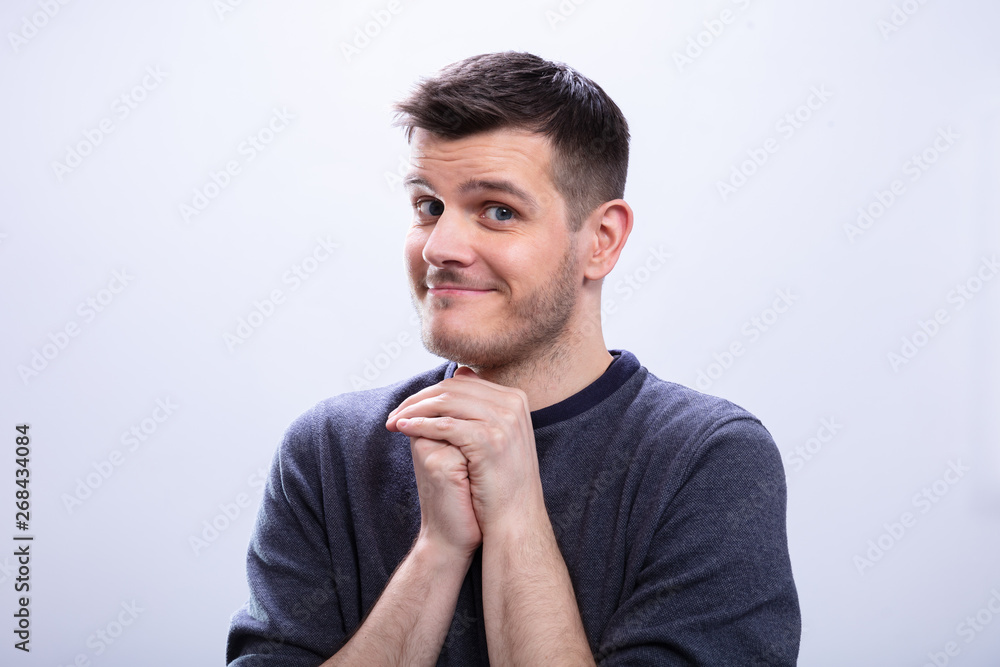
<point>891,83</point>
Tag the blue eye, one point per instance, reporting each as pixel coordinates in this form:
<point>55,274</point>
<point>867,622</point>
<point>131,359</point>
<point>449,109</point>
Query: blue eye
<point>502,213</point>
<point>431,207</point>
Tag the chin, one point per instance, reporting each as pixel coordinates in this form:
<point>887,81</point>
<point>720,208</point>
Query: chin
<point>482,349</point>
<point>450,343</point>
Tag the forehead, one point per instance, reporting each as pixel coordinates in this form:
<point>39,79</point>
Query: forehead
<point>513,154</point>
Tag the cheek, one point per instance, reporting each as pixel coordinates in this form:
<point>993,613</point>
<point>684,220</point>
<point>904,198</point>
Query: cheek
<point>520,270</point>
<point>413,250</point>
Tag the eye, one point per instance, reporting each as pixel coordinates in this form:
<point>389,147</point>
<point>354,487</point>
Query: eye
<point>431,207</point>
<point>500,213</point>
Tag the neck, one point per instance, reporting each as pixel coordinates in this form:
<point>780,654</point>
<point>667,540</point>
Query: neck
<point>567,366</point>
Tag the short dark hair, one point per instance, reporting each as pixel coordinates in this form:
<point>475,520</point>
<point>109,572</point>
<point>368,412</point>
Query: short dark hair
<point>521,91</point>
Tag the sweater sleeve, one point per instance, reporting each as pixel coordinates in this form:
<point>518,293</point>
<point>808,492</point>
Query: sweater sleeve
<point>293,616</point>
<point>715,586</point>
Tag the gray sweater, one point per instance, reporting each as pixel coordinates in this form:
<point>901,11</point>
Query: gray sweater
<point>668,506</point>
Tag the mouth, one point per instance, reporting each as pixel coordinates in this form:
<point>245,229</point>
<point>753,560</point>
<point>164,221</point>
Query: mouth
<point>456,290</point>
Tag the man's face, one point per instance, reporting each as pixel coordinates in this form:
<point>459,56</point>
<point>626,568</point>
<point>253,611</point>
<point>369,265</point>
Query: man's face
<point>493,266</point>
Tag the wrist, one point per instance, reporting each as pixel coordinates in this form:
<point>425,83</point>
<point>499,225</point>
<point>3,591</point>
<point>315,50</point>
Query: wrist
<point>523,533</point>
<point>528,520</point>
<point>440,556</point>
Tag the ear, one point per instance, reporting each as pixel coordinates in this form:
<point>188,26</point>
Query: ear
<point>606,231</point>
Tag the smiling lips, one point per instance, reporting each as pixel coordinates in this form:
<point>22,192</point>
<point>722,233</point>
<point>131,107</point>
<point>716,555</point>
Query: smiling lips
<point>456,290</point>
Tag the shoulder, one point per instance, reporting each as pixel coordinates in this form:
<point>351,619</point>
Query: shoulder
<point>700,427</point>
<point>352,416</point>
<point>703,453</point>
<point>670,405</point>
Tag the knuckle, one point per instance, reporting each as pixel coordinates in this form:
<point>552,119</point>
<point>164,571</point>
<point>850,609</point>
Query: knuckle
<point>509,417</point>
<point>433,462</point>
<point>495,437</point>
<point>516,401</point>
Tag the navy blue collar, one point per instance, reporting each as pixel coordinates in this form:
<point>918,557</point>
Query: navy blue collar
<point>622,367</point>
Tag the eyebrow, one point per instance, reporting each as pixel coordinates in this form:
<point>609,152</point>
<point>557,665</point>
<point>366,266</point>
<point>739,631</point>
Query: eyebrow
<point>478,185</point>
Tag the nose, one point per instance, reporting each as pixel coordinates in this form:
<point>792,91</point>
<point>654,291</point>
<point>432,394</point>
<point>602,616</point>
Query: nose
<point>449,243</point>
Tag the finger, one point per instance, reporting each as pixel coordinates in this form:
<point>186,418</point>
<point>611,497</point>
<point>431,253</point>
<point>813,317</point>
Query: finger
<point>463,372</point>
<point>421,448</point>
<point>463,404</point>
<point>465,397</point>
<point>425,393</point>
<point>447,430</point>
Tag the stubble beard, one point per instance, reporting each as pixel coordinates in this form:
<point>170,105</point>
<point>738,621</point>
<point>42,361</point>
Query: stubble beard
<point>537,328</point>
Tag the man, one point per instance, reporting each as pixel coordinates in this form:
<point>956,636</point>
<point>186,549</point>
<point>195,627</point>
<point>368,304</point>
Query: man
<point>538,500</point>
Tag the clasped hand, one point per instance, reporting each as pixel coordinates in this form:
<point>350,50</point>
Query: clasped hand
<point>474,458</point>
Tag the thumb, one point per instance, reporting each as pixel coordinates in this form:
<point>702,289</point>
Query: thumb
<point>464,371</point>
